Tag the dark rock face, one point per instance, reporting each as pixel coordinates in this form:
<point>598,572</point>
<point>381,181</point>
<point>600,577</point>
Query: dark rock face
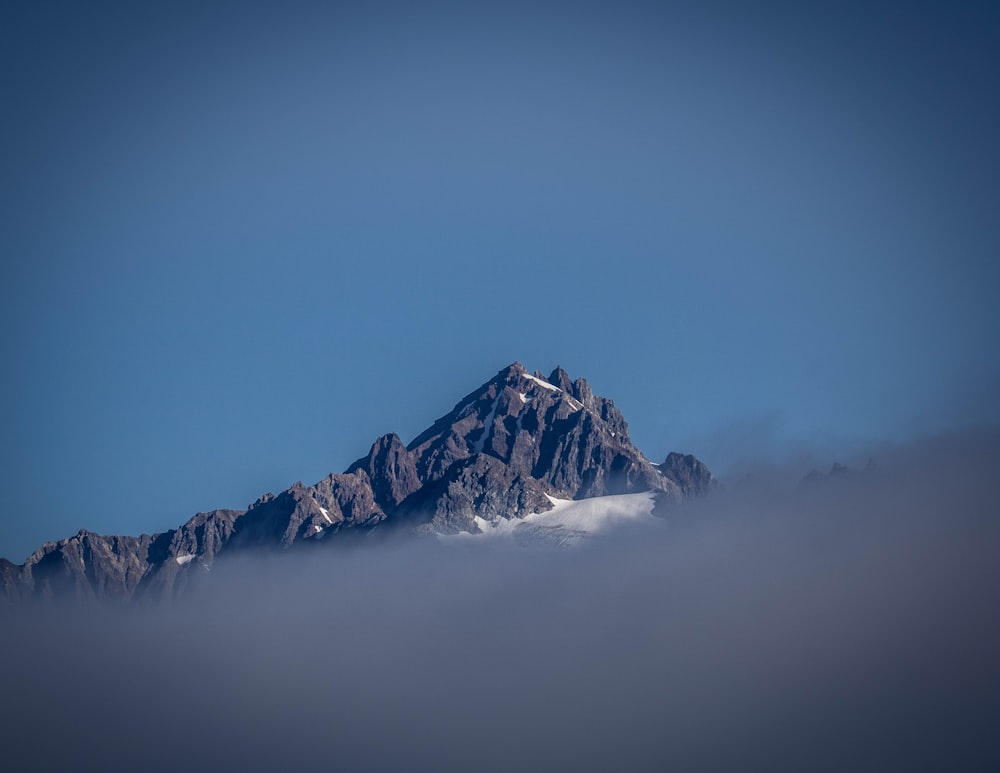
<point>175,557</point>
<point>498,454</point>
<point>691,476</point>
<point>480,486</point>
<point>204,535</point>
<point>87,565</point>
<point>391,470</point>
<point>90,565</point>
<point>339,501</point>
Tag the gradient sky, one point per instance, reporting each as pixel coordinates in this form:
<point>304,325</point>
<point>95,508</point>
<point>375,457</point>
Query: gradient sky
<point>240,242</point>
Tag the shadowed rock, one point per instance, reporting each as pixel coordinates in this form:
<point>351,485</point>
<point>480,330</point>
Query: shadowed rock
<point>478,487</point>
<point>691,476</point>
<point>391,470</point>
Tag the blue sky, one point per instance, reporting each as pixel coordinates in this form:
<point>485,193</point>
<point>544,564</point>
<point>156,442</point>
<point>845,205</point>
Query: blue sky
<point>240,242</point>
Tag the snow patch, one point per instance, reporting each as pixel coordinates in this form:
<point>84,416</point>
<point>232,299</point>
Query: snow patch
<point>596,514</point>
<point>499,527</point>
<point>326,514</point>
<point>570,520</point>
<point>575,404</point>
<point>542,383</point>
<point>524,397</point>
<point>184,559</point>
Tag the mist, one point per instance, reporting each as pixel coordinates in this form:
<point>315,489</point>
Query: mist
<point>847,625</point>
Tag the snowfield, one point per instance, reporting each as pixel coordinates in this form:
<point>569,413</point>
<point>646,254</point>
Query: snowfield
<point>569,520</point>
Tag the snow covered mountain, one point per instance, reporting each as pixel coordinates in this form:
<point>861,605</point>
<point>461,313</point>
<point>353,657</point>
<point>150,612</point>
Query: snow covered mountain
<point>522,455</point>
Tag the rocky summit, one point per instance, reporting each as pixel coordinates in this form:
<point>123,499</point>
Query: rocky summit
<point>513,448</point>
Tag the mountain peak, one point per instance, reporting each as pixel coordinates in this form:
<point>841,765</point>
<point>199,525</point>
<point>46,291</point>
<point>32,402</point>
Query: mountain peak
<point>512,369</point>
<point>560,378</point>
<point>501,453</point>
<point>551,429</point>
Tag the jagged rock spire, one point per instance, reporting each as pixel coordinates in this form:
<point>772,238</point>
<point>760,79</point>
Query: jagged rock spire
<point>560,378</point>
<point>390,469</point>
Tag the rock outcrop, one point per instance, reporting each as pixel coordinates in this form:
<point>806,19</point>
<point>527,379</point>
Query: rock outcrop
<point>478,487</point>
<point>691,475</point>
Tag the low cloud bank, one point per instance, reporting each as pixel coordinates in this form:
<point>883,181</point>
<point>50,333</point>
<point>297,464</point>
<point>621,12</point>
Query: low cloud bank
<point>849,625</point>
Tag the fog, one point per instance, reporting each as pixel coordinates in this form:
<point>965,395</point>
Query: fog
<point>847,625</point>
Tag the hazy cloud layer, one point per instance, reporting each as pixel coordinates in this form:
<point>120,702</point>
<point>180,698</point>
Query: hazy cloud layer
<point>850,625</point>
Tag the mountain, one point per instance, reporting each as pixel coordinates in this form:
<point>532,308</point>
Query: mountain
<point>517,447</point>
<point>839,473</point>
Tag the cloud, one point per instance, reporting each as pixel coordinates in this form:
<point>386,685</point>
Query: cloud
<point>847,626</point>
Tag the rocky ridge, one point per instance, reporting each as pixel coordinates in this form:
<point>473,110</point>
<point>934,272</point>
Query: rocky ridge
<point>504,451</point>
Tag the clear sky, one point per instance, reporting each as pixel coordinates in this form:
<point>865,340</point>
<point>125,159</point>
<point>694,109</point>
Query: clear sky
<point>241,241</point>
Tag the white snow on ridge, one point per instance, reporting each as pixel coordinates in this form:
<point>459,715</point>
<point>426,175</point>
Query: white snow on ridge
<point>184,559</point>
<point>542,383</point>
<point>326,514</point>
<point>575,404</point>
<point>569,520</point>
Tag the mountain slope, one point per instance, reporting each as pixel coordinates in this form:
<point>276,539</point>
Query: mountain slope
<point>518,446</point>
